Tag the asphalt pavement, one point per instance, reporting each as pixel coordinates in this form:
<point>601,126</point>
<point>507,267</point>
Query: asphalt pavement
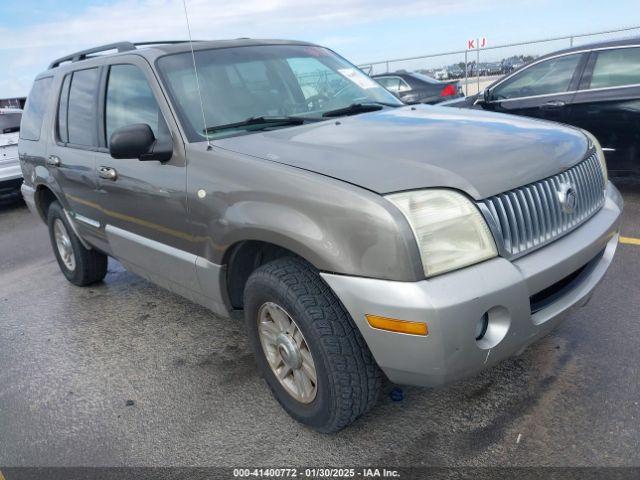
<point>125,373</point>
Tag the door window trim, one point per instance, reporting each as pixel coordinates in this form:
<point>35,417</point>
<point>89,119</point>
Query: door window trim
<point>102,105</point>
<point>59,142</point>
<point>580,90</point>
<point>575,78</point>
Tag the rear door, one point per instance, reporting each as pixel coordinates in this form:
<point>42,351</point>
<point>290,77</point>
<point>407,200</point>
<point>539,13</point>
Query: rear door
<point>71,156</point>
<point>542,90</point>
<point>143,203</point>
<point>608,105</point>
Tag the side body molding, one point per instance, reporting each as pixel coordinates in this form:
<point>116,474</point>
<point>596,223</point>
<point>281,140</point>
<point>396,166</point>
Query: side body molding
<point>178,271</point>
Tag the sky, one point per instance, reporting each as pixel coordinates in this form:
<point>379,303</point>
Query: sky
<point>34,32</point>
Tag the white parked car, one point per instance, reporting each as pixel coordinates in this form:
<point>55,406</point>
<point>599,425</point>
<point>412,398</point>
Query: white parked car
<point>10,173</point>
<point>441,74</point>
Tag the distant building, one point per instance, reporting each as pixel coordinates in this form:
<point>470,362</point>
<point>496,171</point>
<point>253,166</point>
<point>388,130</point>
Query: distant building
<point>17,102</point>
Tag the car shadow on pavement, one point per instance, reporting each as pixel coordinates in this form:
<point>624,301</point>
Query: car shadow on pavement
<point>9,204</point>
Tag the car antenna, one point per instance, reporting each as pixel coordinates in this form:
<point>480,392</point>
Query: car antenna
<point>195,69</point>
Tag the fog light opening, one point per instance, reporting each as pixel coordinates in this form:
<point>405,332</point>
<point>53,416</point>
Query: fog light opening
<point>481,326</point>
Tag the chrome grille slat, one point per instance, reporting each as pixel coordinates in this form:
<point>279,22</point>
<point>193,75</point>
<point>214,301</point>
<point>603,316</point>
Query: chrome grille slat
<point>512,223</point>
<point>528,217</point>
<point>583,179</point>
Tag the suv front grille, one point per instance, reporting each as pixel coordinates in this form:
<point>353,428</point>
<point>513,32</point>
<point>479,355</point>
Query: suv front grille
<point>526,218</point>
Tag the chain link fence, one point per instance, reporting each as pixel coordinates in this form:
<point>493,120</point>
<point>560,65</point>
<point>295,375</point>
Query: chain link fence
<point>478,68</point>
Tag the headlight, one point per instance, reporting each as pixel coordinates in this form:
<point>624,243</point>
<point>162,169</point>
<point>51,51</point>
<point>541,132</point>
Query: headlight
<point>594,143</point>
<point>450,231</point>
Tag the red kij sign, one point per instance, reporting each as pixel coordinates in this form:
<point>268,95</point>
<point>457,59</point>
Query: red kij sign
<point>476,43</point>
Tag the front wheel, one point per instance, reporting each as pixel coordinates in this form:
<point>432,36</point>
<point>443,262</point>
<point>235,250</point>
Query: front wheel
<point>311,354</point>
<point>79,265</point>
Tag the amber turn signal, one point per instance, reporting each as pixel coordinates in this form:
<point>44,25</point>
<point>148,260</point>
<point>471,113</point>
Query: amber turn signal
<point>398,326</point>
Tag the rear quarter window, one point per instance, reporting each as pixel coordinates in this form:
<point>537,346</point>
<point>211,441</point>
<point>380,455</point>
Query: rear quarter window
<point>35,109</point>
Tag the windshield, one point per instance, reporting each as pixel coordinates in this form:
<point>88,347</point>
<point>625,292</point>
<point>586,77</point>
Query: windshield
<point>241,83</point>
<point>10,122</point>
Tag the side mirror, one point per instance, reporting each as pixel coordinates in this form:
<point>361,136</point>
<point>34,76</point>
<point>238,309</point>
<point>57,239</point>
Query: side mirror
<point>482,97</point>
<point>138,141</point>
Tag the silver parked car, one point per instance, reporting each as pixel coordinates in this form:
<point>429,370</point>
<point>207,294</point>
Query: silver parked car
<point>358,236</point>
<point>10,172</point>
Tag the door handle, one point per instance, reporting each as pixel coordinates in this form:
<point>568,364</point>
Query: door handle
<point>554,104</point>
<point>107,173</point>
<point>53,161</point>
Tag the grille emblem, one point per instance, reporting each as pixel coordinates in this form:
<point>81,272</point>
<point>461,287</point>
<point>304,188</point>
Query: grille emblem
<point>568,198</point>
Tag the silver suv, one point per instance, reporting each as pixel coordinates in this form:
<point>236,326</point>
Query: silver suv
<point>10,173</point>
<point>358,236</point>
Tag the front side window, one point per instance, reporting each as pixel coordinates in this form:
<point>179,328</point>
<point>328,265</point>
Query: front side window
<point>130,100</point>
<point>35,109</point>
<point>82,109</point>
<point>547,77</point>
<point>262,81</point>
<point>616,68</point>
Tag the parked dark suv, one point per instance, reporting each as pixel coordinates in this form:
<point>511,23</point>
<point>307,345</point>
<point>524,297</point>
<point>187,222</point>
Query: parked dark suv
<point>595,87</point>
<point>355,234</point>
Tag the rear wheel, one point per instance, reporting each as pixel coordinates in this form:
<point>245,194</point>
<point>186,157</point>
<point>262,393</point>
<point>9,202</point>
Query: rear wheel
<point>79,265</point>
<point>311,354</point>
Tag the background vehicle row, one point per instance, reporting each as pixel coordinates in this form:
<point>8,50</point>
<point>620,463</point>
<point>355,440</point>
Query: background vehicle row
<point>594,87</point>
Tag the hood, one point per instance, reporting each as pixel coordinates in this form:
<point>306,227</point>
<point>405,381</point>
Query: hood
<point>407,148</point>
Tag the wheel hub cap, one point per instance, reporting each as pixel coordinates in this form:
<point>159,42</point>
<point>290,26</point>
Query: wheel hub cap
<point>287,352</point>
<point>63,244</point>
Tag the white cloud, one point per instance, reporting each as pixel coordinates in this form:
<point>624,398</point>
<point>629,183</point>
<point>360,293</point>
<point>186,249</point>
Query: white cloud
<point>31,49</point>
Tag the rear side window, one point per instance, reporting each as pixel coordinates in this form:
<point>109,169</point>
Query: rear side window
<point>616,68</point>
<point>130,100</point>
<point>82,109</point>
<point>547,77</point>
<point>35,109</point>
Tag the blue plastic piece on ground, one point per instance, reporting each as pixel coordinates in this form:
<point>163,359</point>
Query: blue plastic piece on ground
<point>396,394</point>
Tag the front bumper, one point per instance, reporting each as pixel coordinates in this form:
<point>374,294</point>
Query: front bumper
<point>452,304</point>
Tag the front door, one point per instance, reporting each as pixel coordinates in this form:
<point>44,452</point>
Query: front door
<point>543,90</point>
<point>144,209</point>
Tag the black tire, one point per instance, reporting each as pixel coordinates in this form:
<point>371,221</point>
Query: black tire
<point>90,265</point>
<point>348,379</point>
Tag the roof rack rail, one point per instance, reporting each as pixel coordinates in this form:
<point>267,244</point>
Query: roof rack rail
<point>163,42</point>
<point>84,54</point>
<point>119,46</point>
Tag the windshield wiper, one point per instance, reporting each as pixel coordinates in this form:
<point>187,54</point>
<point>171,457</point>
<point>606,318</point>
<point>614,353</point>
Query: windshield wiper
<point>353,109</point>
<point>262,120</point>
